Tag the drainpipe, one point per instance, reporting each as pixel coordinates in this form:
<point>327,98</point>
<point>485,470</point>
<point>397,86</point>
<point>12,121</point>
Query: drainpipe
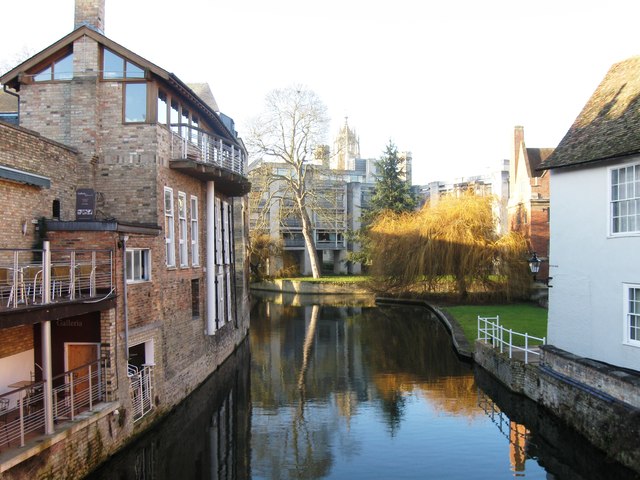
<point>123,240</point>
<point>45,336</point>
<point>211,259</point>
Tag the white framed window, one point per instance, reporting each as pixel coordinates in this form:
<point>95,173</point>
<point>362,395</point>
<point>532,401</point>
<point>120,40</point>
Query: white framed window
<point>195,232</point>
<point>138,265</point>
<point>631,311</point>
<point>169,229</point>
<point>223,240</point>
<point>625,199</point>
<point>182,229</point>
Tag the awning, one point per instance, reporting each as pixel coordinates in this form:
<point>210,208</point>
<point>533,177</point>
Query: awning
<point>20,176</point>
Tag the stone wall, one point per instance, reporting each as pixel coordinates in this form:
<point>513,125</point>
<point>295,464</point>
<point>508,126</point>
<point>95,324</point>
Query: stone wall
<point>597,400</point>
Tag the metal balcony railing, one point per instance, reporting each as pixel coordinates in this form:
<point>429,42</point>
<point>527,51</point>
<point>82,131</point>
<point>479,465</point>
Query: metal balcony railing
<point>22,410</point>
<point>141,390</point>
<point>38,277</point>
<point>188,142</point>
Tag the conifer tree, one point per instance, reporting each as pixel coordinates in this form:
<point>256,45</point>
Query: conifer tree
<point>391,192</point>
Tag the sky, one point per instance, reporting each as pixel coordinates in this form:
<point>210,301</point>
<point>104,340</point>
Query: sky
<point>446,80</point>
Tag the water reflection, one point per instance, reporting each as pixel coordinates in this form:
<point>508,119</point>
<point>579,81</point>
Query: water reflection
<point>206,437</point>
<point>356,392</point>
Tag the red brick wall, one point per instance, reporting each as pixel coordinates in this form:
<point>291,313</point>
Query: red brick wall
<point>16,340</point>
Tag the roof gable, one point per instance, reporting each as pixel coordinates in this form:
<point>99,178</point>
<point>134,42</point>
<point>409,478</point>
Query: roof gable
<point>609,125</point>
<point>13,77</point>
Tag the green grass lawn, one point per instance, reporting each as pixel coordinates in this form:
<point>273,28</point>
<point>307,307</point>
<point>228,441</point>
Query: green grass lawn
<point>520,317</point>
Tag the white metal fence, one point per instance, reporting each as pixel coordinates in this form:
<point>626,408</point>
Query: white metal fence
<point>141,390</point>
<point>490,331</point>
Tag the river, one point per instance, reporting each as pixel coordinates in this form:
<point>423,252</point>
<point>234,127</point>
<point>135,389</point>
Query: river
<point>355,392</point>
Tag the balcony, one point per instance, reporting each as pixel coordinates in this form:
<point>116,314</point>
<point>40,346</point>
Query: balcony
<point>34,281</point>
<point>200,154</point>
<point>26,410</point>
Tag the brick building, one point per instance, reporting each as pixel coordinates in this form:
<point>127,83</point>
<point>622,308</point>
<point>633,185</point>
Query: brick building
<point>528,204</point>
<point>123,281</point>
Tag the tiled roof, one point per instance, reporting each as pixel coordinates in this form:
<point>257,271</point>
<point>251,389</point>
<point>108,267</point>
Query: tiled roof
<point>609,124</point>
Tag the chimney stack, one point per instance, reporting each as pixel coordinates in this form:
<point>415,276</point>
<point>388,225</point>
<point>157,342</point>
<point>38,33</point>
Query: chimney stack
<point>91,14</point>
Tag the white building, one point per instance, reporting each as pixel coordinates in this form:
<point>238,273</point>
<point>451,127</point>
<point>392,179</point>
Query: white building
<point>594,305</point>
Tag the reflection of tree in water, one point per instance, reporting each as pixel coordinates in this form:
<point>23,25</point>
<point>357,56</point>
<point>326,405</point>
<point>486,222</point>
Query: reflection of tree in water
<point>314,367</point>
<point>284,379</point>
<point>408,350</point>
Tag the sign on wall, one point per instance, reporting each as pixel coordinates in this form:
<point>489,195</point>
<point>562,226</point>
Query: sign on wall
<point>85,204</point>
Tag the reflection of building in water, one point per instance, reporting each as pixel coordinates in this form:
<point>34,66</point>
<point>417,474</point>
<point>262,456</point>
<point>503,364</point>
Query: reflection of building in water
<point>221,444</point>
<point>516,433</point>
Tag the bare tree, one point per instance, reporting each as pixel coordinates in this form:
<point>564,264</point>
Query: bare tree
<point>292,125</point>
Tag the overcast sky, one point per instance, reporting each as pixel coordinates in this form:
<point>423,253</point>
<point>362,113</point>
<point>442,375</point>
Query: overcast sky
<point>447,80</point>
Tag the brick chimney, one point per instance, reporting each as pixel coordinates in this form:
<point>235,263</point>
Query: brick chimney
<point>90,13</point>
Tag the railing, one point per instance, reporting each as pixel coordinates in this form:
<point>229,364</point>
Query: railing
<point>192,142</point>
<point>26,275</point>
<point>141,390</point>
<point>73,392</point>
<point>490,331</point>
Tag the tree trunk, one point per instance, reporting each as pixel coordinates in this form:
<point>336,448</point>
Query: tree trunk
<point>309,241</point>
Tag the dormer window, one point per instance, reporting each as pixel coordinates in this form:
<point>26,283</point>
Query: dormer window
<point>114,67</point>
<point>61,69</point>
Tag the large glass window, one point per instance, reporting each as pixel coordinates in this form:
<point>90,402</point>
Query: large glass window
<point>138,265</point>
<point>632,314</point>
<point>116,67</point>
<point>169,233</point>
<point>175,115</point>
<point>625,199</point>
<point>162,107</point>
<point>182,229</point>
<point>195,233</point>
<point>135,109</point>
<point>61,69</point>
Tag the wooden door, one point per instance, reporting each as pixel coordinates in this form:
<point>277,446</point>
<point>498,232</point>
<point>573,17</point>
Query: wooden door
<point>79,354</point>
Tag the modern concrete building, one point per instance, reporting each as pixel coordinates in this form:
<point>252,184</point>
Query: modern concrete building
<point>341,192</point>
<point>123,280</point>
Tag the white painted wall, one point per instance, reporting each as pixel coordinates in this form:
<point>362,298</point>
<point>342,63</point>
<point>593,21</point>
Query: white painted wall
<point>588,267</point>
<point>13,369</point>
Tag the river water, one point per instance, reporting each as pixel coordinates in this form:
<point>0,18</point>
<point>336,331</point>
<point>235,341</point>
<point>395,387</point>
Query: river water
<point>355,392</point>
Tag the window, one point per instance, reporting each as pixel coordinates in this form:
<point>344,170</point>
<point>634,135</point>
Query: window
<point>195,298</point>
<point>195,232</point>
<point>114,67</point>
<point>169,227</point>
<point>135,109</point>
<point>223,239</point>
<point>632,314</point>
<point>162,107</point>
<point>61,69</point>
<point>175,115</point>
<point>138,265</point>
<point>625,199</point>
<point>182,229</point>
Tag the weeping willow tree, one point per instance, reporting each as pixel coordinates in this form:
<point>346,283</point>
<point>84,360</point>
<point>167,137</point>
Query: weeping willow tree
<point>451,247</point>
